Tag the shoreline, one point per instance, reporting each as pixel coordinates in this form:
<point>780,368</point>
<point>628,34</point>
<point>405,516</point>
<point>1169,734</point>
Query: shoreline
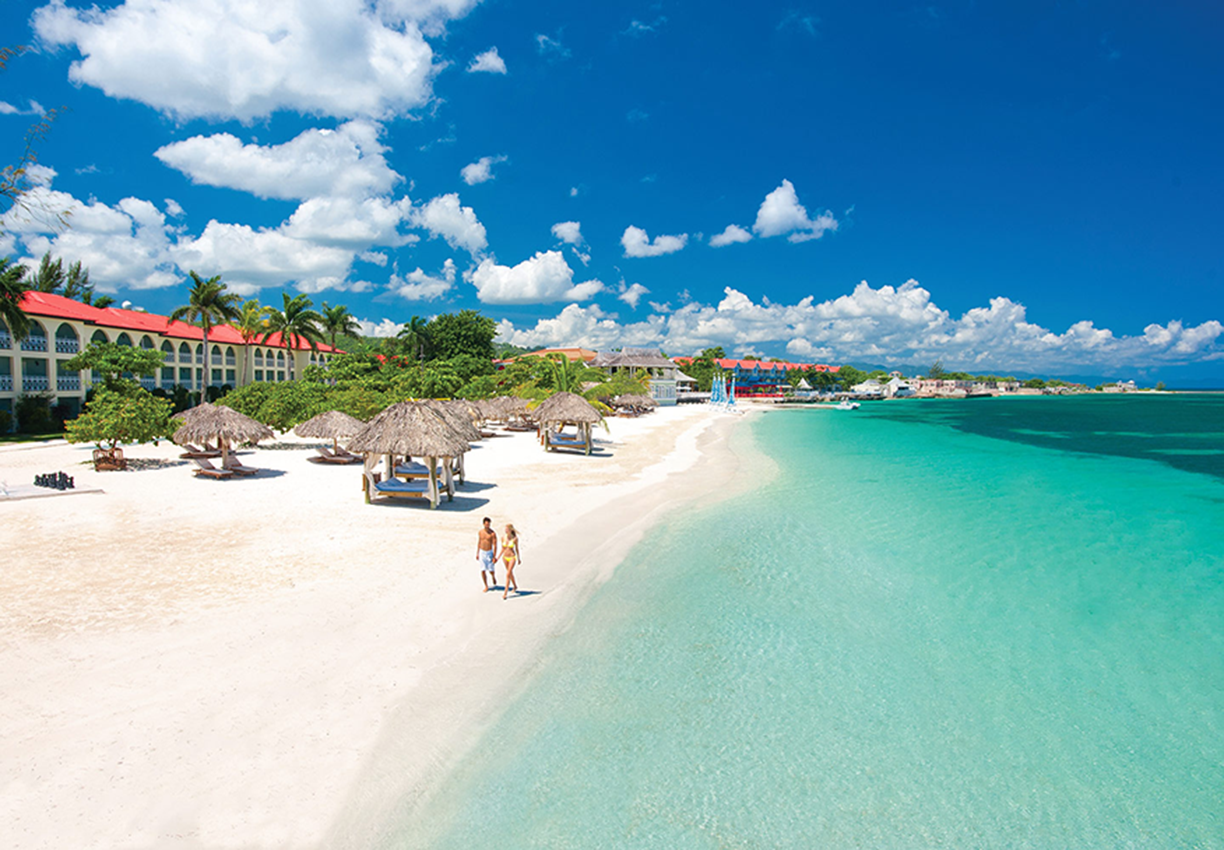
<point>701,470</point>
<point>188,663</point>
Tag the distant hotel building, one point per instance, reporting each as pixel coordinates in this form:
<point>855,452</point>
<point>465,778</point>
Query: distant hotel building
<point>61,327</point>
<point>760,377</point>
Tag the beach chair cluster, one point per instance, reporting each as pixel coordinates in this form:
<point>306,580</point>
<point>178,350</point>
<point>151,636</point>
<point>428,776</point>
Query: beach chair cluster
<point>232,466</point>
<point>337,455</point>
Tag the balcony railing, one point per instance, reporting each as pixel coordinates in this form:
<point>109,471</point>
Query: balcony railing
<point>148,383</point>
<point>231,362</point>
<point>67,346</point>
<point>68,383</point>
<point>6,383</point>
<point>34,343</point>
<point>6,341</point>
<point>34,383</point>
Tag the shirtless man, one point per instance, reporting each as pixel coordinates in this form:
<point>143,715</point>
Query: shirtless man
<point>486,553</point>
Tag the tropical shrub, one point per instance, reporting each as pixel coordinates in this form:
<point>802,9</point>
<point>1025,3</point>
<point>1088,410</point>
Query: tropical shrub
<point>122,416</point>
<point>33,412</point>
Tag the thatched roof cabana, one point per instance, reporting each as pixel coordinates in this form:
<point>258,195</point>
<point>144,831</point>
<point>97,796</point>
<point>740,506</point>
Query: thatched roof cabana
<point>408,429</point>
<point>635,401</point>
<point>330,425</point>
<point>561,409</point>
<point>567,407</point>
<point>216,421</point>
<point>456,414</point>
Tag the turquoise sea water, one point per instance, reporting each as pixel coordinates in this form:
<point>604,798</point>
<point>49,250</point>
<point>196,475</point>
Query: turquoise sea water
<point>994,623</point>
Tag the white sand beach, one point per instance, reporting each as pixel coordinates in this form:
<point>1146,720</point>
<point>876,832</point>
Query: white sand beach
<point>270,662</point>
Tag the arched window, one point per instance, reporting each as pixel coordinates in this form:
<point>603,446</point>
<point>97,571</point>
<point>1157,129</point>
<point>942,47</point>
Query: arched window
<point>167,351</point>
<point>184,352</point>
<point>280,359</point>
<point>66,339</point>
<point>229,356</point>
<point>124,339</point>
<point>98,336</point>
<point>199,353</point>
<point>146,343</point>
<point>216,355</point>
<point>37,339</point>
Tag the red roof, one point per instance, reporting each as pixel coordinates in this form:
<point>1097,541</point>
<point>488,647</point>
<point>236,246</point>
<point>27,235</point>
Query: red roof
<point>58,307</point>
<point>728,364</point>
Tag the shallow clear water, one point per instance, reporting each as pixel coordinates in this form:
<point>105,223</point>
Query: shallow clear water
<point>945,624</point>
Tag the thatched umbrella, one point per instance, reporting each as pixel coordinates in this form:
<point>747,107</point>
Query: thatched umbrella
<point>330,425</point>
<point>456,414</point>
<point>409,429</point>
<point>635,401</point>
<point>208,421</point>
<point>561,409</point>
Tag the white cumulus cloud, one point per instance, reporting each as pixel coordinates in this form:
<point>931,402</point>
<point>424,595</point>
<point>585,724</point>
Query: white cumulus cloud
<point>481,170</point>
<point>347,161</point>
<point>489,62</point>
<point>637,243</point>
<point>781,214</point>
<point>541,279</point>
<point>734,233</point>
<point>238,59</point>
<point>632,294</point>
<point>383,329</point>
<point>418,286</point>
<point>444,216</point>
<point>569,232</point>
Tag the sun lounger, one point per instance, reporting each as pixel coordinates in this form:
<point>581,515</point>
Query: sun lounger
<point>567,441</point>
<point>403,489</point>
<point>193,452</point>
<point>416,470</point>
<point>326,455</point>
<point>205,468</point>
<point>234,465</point>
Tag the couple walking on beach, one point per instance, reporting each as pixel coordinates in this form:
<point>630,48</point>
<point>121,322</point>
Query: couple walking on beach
<point>486,555</point>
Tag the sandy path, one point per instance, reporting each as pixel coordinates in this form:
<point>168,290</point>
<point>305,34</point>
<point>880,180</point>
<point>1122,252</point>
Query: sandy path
<point>193,663</point>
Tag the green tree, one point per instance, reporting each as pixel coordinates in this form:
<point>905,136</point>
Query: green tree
<point>112,362</point>
<point>209,303</point>
<point>115,416</point>
<point>338,320</point>
<point>1035,384</point>
<point>562,375</point>
<point>49,277</point>
<point>848,376</point>
<point>936,372</point>
<point>297,322</point>
<point>415,337</point>
<point>465,332</point>
<point>251,322</point>
<point>12,291</point>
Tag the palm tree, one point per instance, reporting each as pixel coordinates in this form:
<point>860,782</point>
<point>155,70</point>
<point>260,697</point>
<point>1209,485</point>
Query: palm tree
<point>338,320</point>
<point>415,336</point>
<point>251,322</point>
<point>208,304</point>
<point>568,376</point>
<point>49,277</point>
<point>296,323</point>
<point>12,289</point>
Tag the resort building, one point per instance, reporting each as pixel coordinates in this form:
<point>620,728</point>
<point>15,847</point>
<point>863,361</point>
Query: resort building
<point>760,377</point>
<point>61,327</point>
<point>662,371</point>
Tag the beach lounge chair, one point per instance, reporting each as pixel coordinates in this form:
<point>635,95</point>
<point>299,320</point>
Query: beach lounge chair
<point>193,452</point>
<point>568,441</point>
<point>234,465</point>
<point>204,467</point>
<point>326,455</point>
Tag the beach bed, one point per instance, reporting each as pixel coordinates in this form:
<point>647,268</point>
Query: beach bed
<point>326,455</point>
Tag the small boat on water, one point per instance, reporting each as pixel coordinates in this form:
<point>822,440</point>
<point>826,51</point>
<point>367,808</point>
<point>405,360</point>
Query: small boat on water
<point>847,405</point>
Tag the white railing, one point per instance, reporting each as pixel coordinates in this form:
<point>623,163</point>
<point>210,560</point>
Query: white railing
<point>6,341</point>
<point>148,383</point>
<point>34,343</point>
<point>67,346</point>
<point>6,383</point>
<point>34,383</point>
<point>68,383</point>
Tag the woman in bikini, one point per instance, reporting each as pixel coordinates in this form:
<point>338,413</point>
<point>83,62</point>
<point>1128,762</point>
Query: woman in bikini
<point>511,558</point>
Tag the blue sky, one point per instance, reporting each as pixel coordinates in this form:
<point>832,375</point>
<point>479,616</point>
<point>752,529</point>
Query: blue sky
<point>1025,186</point>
